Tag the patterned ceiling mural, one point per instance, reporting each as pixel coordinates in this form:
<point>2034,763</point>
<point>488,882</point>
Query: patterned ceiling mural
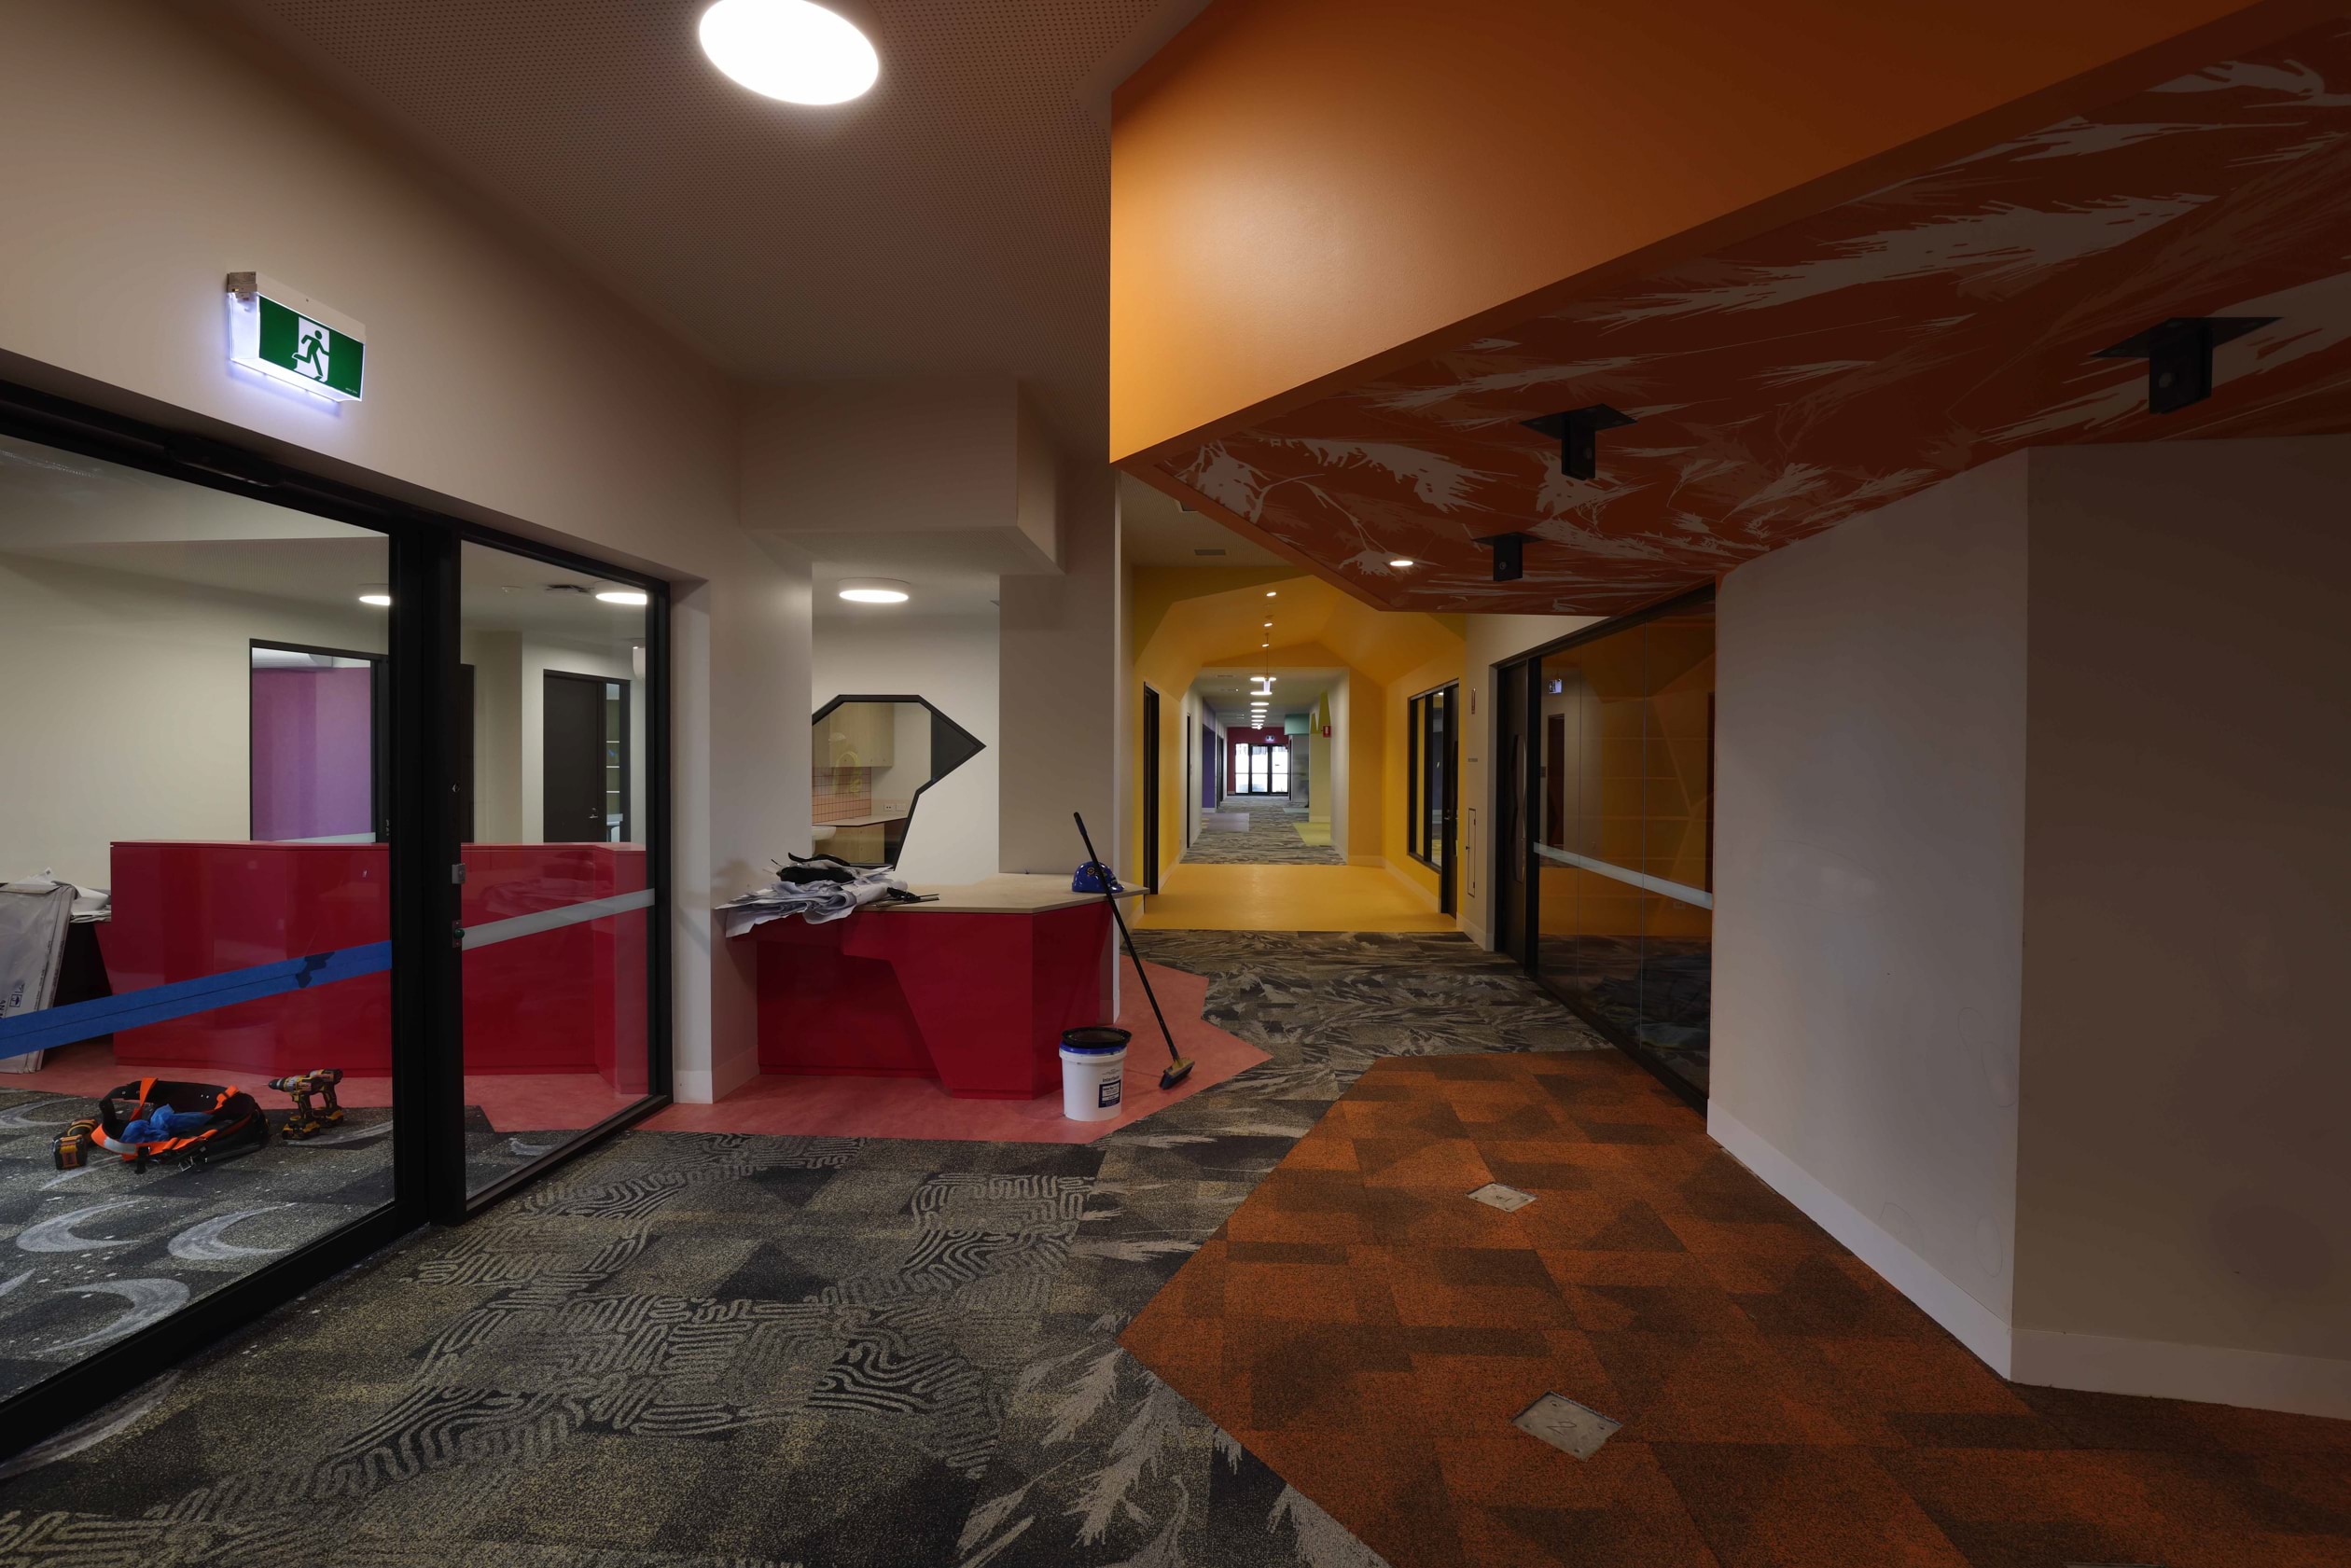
<point>1843,361</point>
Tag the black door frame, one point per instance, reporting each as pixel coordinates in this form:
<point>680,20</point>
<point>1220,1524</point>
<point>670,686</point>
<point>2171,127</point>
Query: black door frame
<point>1528,668</point>
<point>1447,867</point>
<point>1151,789</point>
<point>429,1175</point>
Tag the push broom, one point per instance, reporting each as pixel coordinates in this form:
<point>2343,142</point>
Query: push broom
<point>1178,1067</point>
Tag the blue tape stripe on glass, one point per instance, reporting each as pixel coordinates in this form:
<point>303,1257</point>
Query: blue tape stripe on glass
<point>160,1004</point>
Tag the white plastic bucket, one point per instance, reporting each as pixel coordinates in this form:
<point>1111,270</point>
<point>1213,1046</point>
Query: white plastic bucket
<point>1093,1071</point>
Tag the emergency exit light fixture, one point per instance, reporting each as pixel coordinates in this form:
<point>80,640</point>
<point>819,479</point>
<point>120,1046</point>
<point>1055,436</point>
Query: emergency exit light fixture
<point>287,335</point>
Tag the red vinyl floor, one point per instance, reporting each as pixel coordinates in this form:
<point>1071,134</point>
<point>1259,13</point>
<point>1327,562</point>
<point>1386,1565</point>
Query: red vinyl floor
<point>918,1108</point>
<point>1369,1332</point>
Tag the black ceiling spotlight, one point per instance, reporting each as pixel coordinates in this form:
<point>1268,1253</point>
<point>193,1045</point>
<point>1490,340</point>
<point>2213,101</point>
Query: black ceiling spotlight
<point>1578,433</point>
<point>2179,356</point>
<point>1509,555</point>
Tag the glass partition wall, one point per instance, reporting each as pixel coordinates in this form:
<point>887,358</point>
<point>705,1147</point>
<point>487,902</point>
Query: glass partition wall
<point>301,944</point>
<point>1614,793</point>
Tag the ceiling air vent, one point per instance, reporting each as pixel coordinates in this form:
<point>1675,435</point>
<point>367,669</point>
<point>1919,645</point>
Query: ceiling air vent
<point>567,587</point>
<point>1218,550</point>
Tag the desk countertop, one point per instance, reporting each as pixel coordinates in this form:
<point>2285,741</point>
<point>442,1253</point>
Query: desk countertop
<point>1007,892</point>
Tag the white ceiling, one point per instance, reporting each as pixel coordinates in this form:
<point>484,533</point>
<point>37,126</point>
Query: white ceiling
<point>955,220</point>
<point>82,511</point>
<point>1158,533</point>
<point>1227,691</point>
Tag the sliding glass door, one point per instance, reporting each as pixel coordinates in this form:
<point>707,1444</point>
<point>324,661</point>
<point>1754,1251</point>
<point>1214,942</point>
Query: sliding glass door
<point>331,872</point>
<point>558,889</point>
<point>1617,783</point>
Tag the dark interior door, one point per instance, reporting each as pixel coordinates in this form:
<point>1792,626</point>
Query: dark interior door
<point>572,759</point>
<point>1511,849</point>
<point>1151,789</point>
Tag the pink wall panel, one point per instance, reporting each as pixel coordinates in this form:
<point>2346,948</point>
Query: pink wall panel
<point>313,742</point>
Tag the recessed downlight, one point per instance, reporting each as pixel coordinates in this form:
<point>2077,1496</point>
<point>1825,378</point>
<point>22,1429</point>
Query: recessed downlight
<point>1400,562</point>
<point>873,590</point>
<point>789,49</point>
<point>378,594</point>
<point>1272,593</point>
<point>623,595</point>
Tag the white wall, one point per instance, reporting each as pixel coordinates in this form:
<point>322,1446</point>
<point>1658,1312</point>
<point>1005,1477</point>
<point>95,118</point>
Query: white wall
<point>1488,640</point>
<point>2184,1182</point>
<point>1065,693</point>
<point>1869,866</point>
<point>500,385</point>
<point>127,709</point>
<point>2029,881</point>
<point>951,660</point>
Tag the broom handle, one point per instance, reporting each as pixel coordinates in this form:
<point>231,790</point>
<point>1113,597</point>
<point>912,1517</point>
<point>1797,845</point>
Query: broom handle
<point>1112,899</point>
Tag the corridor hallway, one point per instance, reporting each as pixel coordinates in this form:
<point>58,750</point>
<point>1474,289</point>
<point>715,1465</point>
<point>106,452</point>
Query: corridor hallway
<point>1260,830</point>
<point>1254,870</point>
<point>691,1349</point>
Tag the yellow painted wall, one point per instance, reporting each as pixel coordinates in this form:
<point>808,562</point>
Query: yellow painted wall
<point>1186,619</point>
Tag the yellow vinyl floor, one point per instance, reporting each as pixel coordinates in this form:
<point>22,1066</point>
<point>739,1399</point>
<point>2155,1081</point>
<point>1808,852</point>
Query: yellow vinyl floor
<point>1207,897</point>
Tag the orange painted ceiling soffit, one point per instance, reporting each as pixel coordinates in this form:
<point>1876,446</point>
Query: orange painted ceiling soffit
<point>1569,266</point>
<point>1837,362</point>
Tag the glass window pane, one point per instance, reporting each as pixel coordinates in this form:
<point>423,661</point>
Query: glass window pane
<point>555,901</point>
<point>1678,821</point>
<point>1623,819</point>
<point>189,791</point>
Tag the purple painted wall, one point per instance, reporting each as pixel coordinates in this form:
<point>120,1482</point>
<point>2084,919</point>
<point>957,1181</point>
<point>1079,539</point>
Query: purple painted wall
<point>312,735</point>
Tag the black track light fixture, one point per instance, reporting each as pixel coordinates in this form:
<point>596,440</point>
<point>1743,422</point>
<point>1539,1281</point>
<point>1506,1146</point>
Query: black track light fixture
<point>1578,433</point>
<point>2178,354</point>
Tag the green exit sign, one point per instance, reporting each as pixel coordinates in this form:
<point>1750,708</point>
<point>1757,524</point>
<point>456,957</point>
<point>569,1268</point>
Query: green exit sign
<point>287,335</point>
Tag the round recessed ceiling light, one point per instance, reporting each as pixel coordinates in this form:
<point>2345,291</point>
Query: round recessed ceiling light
<point>1271,593</point>
<point>873,590</point>
<point>376,594</point>
<point>790,49</point>
<point>623,595</point>
<point>1400,562</point>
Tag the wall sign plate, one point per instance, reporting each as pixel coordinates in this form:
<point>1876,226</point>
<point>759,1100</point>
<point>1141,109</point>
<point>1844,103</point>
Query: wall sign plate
<point>287,335</point>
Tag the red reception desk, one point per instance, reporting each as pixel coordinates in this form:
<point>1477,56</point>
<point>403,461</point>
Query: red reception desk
<point>974,990</point>
<point>571,1000</point>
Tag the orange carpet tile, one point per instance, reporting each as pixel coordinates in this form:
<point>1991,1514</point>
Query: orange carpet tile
<point>1369,1332</point>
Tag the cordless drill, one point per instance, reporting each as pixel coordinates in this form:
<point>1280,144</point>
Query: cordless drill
<point>315,1108</point>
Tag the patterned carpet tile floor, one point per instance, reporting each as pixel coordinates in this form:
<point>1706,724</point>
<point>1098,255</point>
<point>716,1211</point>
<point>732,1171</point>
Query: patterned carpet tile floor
<point>1271,837</point>
<point>92,1255</point>
<point>694,1349</point>
<point>1369,1332</point>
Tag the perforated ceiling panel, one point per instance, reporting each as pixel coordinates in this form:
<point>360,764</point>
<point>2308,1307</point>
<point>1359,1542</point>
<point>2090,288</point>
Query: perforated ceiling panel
<point>952,221</point>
